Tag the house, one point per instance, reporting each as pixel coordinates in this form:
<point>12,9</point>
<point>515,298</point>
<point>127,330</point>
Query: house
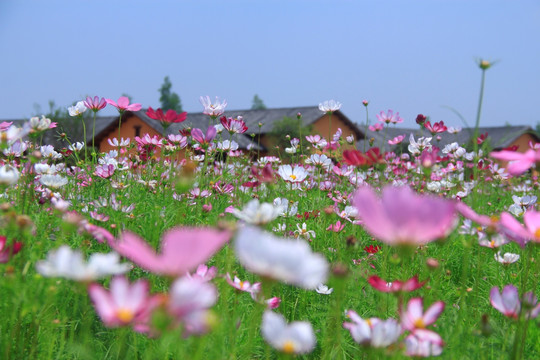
<point>138,123</point>
<point>499,137</point>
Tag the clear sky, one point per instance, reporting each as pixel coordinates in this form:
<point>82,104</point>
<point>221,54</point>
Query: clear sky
<point>412,56</point>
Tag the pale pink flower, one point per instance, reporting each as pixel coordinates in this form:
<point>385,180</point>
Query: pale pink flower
<point>389,117</point>
<point>123,304</point>
<point>295,338</point>
<point>95,104</point>
<point>213,109</point>
<point>506,302</point>
<point>403,217</point>
<point>376,127</point>
<point>204,273</point>
<point>337,227</point>
<point>123,104</point>
<point>415,318</point>
<point>182,249</point>
<point>189,301</point>
<point>423,343</point>
<point>395,286</point>
<point>396,140</point>
<point>243,285</point>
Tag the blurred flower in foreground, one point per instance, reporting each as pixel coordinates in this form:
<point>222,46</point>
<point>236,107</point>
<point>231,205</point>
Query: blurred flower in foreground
<point>287,260</point>
<point>518,162</point>
<point>67,263</point>
<point>295,338</point>
<point>182,249</point>
<point>403,217</point>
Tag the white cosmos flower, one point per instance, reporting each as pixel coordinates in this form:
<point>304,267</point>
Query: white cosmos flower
<point>8,175</point>
<point>53,181</point>
<point>77,109</point>
<point>320,160</point>
<point>416,147</point>
<point>227,145</point>
<point>78,146</point>
<point>295,338</point>
<point>67,263</point>
<point>329,106</point>
<point>287,260</point>
<point>39,124</point>
<point>373,332</point>
<point>507,258</point>
<point>292,173</point>
<point>258,213</point>
<point>213,109</point>
<point>323,289</point>
<point>285,209</point>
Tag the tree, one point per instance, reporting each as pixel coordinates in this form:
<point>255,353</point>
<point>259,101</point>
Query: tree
<point>257,103</point>
<point>169,100</point>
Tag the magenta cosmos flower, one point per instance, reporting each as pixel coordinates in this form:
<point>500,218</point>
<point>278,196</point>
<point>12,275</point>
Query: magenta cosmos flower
<point>182,249</point>
<point>403,217</point>
<point>166,118</point>
<point>123,104</point>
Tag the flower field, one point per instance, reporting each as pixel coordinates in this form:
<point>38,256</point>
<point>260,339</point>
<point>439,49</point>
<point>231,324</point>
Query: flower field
<point>190,247</point>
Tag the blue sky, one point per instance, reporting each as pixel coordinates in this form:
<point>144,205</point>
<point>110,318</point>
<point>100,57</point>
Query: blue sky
<point>412,56</point>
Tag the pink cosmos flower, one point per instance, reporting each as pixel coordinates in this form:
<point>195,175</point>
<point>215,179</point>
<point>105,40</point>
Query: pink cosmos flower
<point>376,127</point>
<point>337,227</point>
<point>233,126</point>
<point>395,286</point>
<point>6,252</point>
<point>403,217</point>
<point>123,304</point>
<point>204,140</point>
<point>124,105</point>
<point>514,230</point>
<point>415,318</point>
<point>273,303</point>
<point>243,285</point>
<point>182,249</point>
<point>104,171</point>
<point>506,302</point>
<point>204,273</point>
<point>389,117</point>
<point>519,162</point>
<point>95,104</point>
<point>167,118</point>
<point>396,140</point>
<point>5,125</point>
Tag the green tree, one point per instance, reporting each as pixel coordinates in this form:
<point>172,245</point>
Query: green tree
<point>168,99</point>
<point>288,126</point>
<point>257,103</point>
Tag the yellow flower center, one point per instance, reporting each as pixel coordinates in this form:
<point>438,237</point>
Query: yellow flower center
<point>292,176</point>
<point>241,284</point>
<point>288,347</point>
<point>419,323</point>
<point>125,315</point>
<point>492,243</point>
<point>537,233</point>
